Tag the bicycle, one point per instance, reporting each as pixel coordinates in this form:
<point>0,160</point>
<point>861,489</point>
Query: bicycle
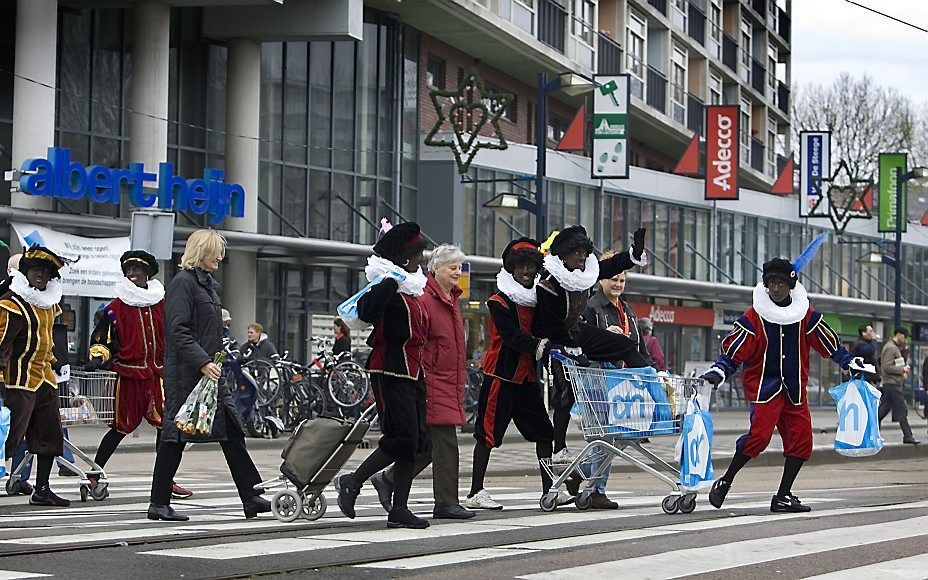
<point>346,381</point>
<point>472,391</point>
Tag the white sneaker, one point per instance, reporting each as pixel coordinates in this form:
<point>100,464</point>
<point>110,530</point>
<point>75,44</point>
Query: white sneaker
<point>563,457</point>
<point>482,501</point>
<point>564,498</point>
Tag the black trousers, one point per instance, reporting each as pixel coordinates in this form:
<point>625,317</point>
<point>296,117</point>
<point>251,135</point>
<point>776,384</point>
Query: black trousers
<point>603,346</point>
<point>401,407</point>
<point>893,400</point>
<point>244,473</point>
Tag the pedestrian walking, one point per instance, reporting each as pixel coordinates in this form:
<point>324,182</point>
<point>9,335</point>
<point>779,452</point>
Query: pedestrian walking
<point>510,389</point>
<point>894,370</point>
<point>773,339</point>
<point>867,348</point>
<point>443,359</point>
<point>342,338</point>
<point>394,307</point>
<point>607,309</point>
<point>193,336</point>
<point>27,381</point>
<point>129,341</point>
<point>571,271</point>
<point>651,344</point>
<point>258,347</point>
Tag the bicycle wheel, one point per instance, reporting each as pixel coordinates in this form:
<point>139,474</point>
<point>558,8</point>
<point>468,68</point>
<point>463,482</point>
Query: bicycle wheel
<point>268,378</point>
<point>472,394</point>
<point>348,384</point>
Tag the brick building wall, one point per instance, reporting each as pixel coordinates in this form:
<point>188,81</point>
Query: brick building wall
<point>519,129</point>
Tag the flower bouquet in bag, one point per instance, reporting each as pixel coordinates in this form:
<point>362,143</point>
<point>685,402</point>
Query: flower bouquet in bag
<point>196,415</point>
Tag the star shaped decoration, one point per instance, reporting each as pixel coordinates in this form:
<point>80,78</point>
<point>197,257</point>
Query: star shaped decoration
<point>468,110</point>
<point>844,199</point>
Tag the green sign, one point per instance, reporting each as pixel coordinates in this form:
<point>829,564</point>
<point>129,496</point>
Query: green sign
<point>609,126</point>
<point>889,162</point>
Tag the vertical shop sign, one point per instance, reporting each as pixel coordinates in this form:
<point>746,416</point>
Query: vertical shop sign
<point>610,127</point>
<point>815,165</point>
<point>889,162</point>
<point>722,152</point>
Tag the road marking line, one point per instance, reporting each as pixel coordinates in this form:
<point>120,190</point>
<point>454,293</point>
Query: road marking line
<point>255,548</point>
<point>13,575</point>
<point>746,553</point>
<point>911,568</point>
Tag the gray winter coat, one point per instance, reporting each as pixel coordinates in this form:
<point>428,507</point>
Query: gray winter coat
<point>192,337</point>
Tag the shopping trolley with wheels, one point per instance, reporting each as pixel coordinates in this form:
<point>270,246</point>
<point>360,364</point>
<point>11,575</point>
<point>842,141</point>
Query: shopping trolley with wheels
<point>317,449</point>
<point>618,408</point>
<point>86,399</point>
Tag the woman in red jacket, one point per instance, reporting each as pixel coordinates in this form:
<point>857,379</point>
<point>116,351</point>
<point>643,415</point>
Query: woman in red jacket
<point>443,362</point>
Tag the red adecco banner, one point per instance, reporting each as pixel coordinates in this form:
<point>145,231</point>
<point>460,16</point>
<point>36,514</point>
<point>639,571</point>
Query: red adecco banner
<point>676,315</point>
<point>722,152</point>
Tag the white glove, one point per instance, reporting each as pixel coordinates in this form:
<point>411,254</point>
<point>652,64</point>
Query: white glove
<point>857,365</point>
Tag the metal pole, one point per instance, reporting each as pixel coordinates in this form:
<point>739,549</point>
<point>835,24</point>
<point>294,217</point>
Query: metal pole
<point>541,147</point>
<point>899,217</point>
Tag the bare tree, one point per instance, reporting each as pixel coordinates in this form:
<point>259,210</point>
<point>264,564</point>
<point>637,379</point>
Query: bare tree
<point>865,119</point>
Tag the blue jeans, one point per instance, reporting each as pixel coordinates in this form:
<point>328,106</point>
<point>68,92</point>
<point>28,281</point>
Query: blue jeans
<point>590,466</point>
<point>27,470</point>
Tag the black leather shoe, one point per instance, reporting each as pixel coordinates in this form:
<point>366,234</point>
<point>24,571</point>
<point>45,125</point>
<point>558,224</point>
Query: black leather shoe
<point>166,513</point>
<point>254,506</point>
<point>25,488</point>
<point>45,496</point>
<point>348,492</point>
<point>403,518</point>
<point>572,484</point>
<point>452,512</point>
<point>599,501</point>
<point>718,492</point>
<point>788,503</point>
<point>912,441</point>
<point>384,490</point>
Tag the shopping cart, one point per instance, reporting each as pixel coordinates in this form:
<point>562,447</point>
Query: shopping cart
<point>86,399</point>
<point>618,408</point>
<point>318,448</point>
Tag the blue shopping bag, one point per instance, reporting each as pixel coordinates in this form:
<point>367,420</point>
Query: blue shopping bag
<point>348,310</point>
<point>695,448</point>
<point>858,432</point>
<point>638,403</point>
<point>4,432</point>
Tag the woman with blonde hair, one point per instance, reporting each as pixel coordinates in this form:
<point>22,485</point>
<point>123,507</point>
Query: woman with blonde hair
<point>193,335</point>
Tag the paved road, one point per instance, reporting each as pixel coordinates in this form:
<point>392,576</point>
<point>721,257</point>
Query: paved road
<point>870,520</point>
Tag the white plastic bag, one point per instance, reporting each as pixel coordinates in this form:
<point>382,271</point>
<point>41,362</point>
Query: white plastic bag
<point>694,449</point>
<point>858,433</point>
<point>348,310</point>
<point>4,433</point>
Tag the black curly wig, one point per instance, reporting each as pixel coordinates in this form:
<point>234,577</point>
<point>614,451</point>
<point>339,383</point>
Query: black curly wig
<point>570,240</point>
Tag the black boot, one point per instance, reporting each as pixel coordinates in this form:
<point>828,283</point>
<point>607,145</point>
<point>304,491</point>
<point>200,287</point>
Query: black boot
<point>403,518</point>
<point>718,492</point>
<point>254,506</point>
<point>166,513</point>
<point>384,490</point>
<point>348,492</point>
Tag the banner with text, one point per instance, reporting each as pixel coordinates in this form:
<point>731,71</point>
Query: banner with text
<point>675,315</point>
<point>722,152</point>
<point>610,127</point>
<point>815,165</point>
<point>96,266</point>
<point>889,162</point>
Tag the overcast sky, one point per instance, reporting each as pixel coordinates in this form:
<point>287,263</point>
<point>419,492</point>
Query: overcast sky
<point>831,36</point>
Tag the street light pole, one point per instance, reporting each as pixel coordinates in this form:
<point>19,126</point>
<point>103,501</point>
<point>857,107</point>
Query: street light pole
<point>899,217</point>
<point>541,149</point>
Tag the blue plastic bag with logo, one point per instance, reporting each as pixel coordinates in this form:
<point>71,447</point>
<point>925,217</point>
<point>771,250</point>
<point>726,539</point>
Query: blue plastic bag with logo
<point>694,448</point>
<point>858,432</point>
<point>348,310</point>
<point>4,432</point>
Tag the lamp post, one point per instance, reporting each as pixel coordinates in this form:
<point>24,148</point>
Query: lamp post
<point>918,175</point>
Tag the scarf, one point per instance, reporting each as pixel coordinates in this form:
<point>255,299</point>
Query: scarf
<point>573,280</point>
<point>516,292</point>
<point>782,315</point>
<point>411,283</point>
<point>39,298</point>
<point>132,295</point>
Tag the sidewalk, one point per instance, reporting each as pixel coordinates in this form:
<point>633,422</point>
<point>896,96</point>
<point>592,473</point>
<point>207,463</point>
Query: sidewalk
<point>517,457</point>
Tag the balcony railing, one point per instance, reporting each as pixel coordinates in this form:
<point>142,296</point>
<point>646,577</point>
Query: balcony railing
<point>784,25</point>
<point>552,24</point>
<point>729,52</point>
<point>783,97</point>
<point>695,113</point>
<point>608,55</point>
<point>657,90</point>
<point>757,155</point>
<point>758,76</point>
<point>661,5</point>
<point>697,24</point>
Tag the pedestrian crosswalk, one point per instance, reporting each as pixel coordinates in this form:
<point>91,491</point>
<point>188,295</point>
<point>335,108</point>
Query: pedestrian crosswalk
<point>218,535</point>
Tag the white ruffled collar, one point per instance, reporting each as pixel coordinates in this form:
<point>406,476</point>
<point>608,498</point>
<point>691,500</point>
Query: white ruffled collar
<point>573,280</point>
<point>132,295</point>
<point>411,283</point>
<point>516,292</point>
<point>791,314</point>
<point>39,298</point>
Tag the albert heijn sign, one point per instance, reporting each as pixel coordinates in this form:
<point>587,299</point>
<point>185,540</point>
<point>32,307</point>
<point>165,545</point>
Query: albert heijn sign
<point>675,315</point>
<point>58,176</point>
<point>722,152</point>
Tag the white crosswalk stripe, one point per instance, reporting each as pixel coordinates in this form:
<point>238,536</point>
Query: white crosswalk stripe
<point>13,575</point>
<point>911,568</point>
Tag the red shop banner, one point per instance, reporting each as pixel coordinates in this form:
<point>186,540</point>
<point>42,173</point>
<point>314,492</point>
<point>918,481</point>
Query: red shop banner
<point>722,152</point>
<point>675,315</point>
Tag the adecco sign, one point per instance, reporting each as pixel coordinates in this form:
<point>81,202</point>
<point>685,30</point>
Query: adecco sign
<point>58,176</point>
<point>722,152</point>
<point>675,315</point>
